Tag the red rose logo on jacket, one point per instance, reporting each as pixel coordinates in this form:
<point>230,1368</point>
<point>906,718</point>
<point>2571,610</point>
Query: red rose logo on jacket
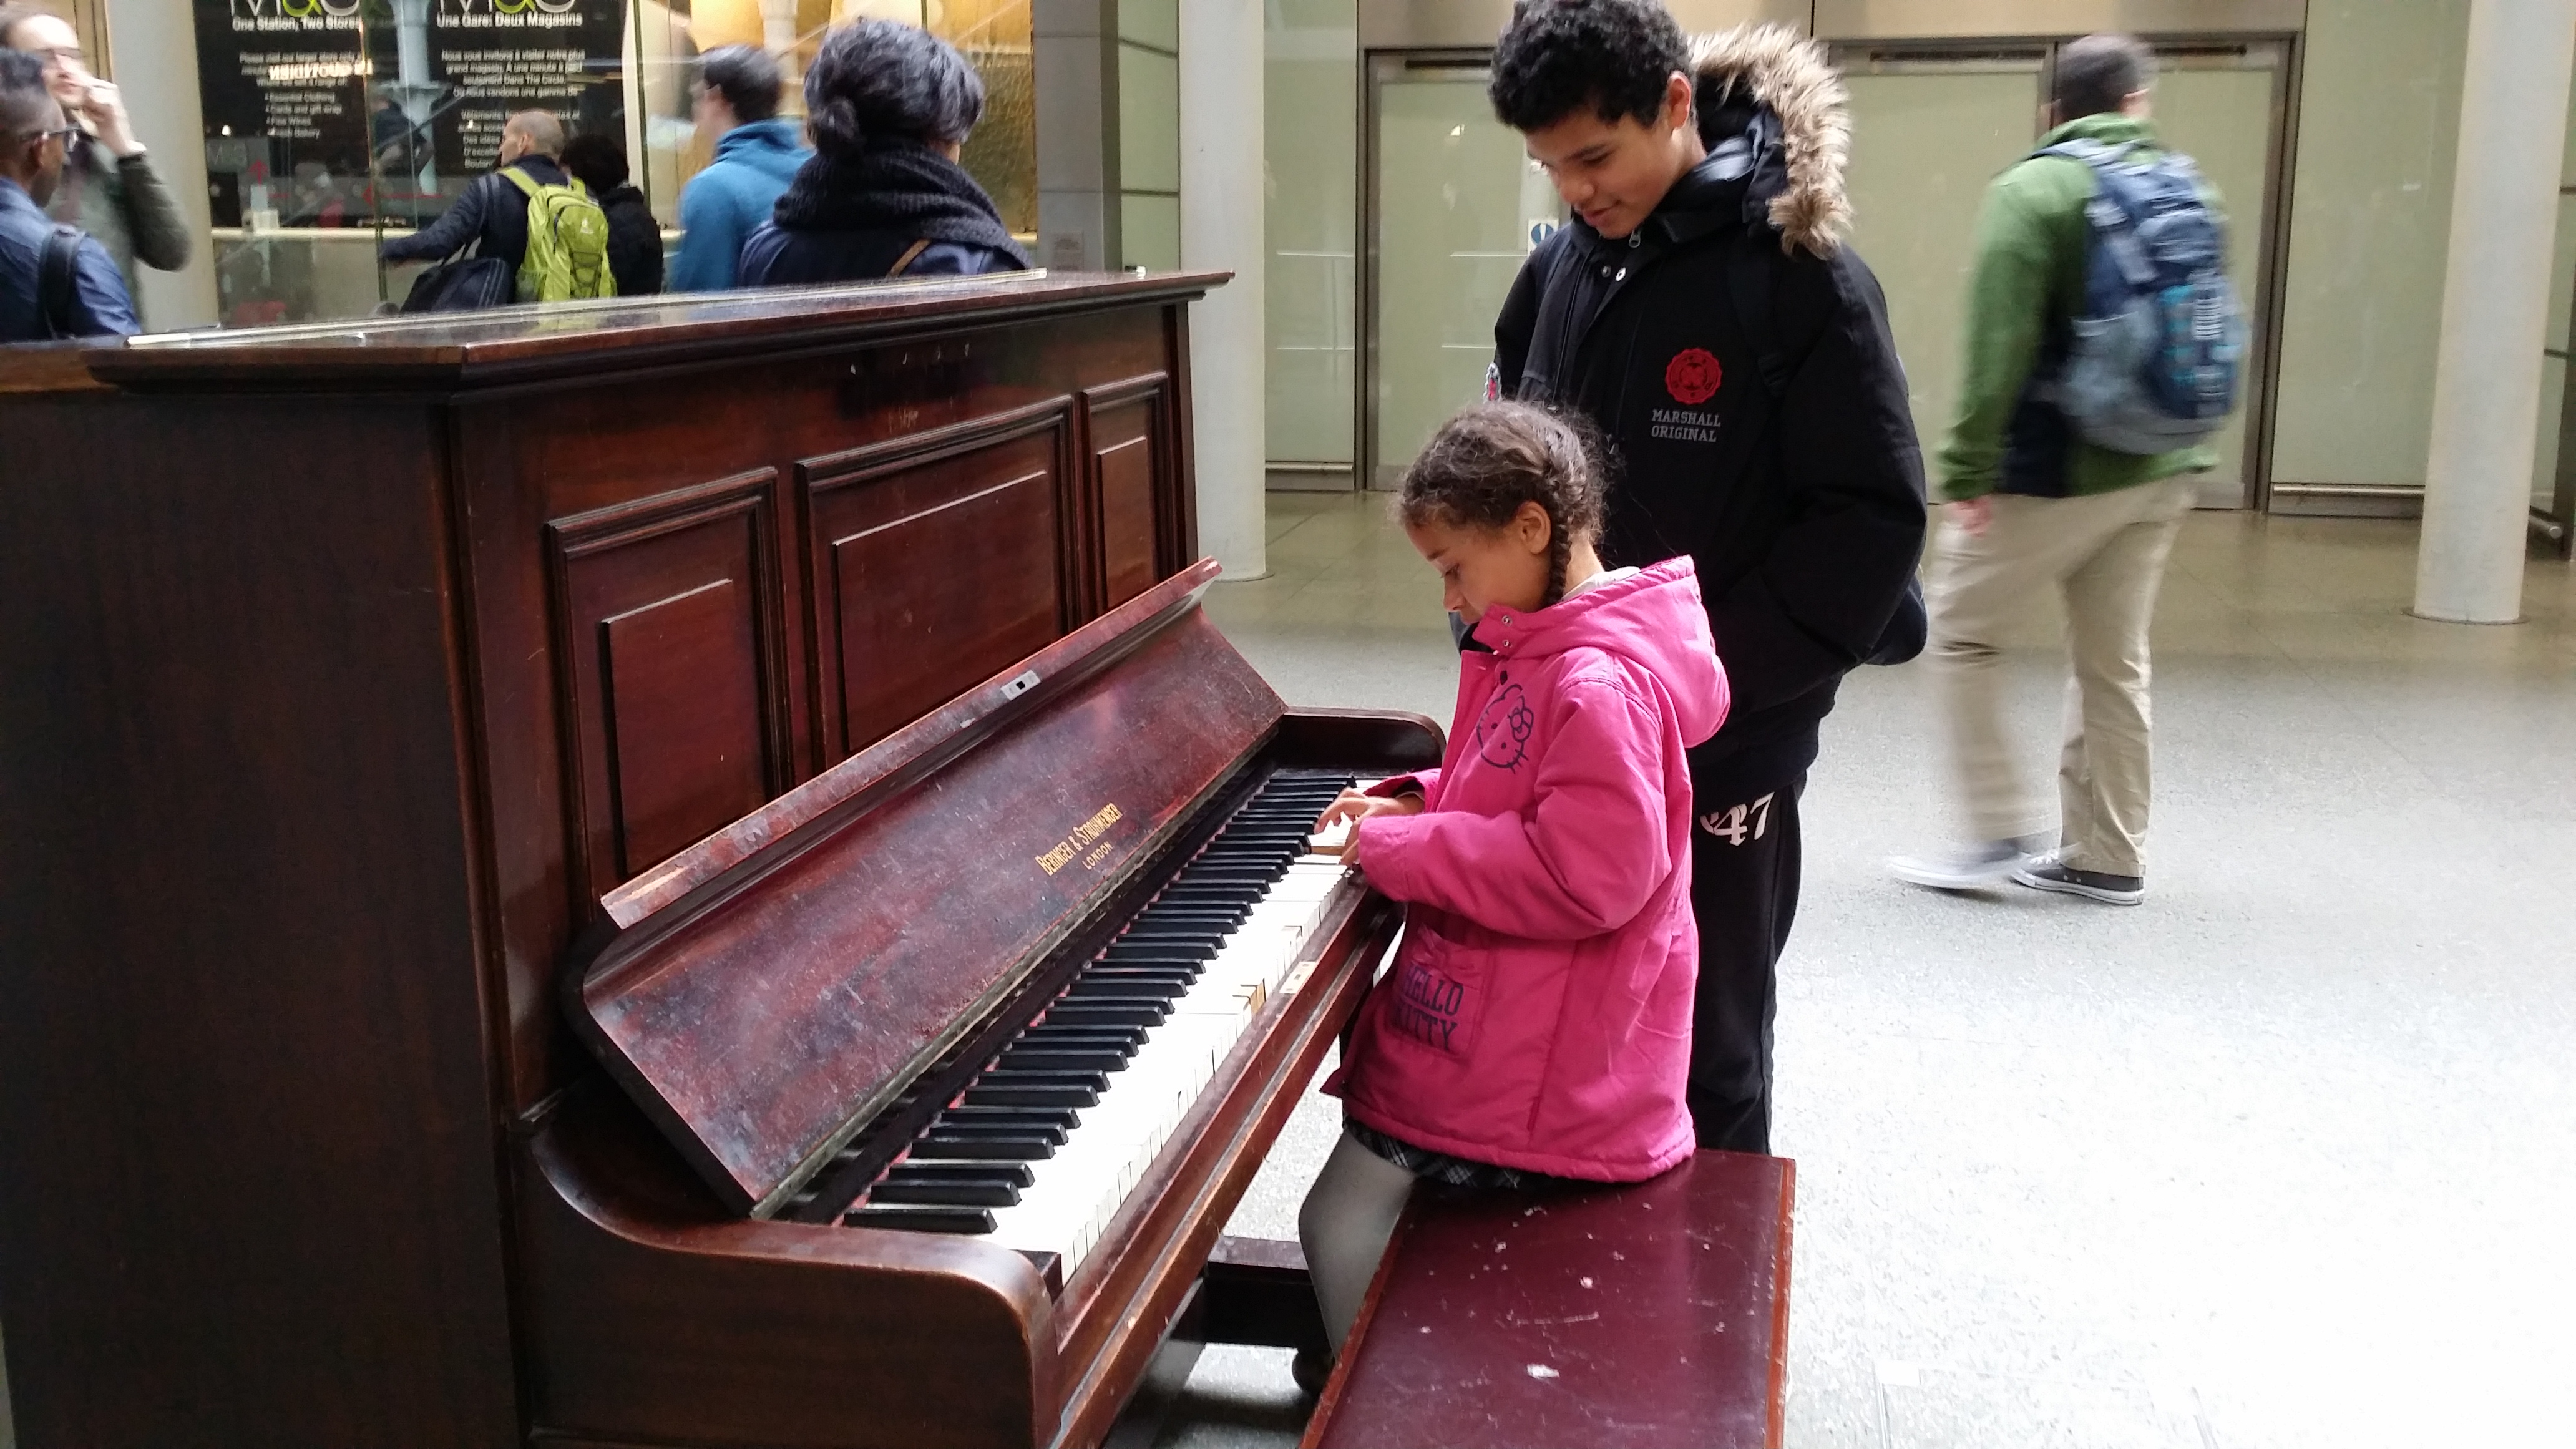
<point>1693,376</point>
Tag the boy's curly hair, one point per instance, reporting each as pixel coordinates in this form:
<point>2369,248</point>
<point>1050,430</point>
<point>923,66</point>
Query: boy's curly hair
<point>1486,462</point>
<point>1559,56</point>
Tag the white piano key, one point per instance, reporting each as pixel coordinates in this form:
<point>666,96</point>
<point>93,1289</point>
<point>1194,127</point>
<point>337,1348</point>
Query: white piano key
<point>1074,1194</point>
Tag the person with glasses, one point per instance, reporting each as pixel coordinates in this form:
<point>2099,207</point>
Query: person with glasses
<point>55,282</point>
<point>109,187</point>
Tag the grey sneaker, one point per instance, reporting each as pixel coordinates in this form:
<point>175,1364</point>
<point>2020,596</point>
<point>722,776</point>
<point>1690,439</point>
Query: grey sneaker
<point>1963,867</point>
<point>2047,874</point>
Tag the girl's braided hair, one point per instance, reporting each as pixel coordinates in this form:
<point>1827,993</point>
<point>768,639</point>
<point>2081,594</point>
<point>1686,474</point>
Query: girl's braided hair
<point>1486,462</point>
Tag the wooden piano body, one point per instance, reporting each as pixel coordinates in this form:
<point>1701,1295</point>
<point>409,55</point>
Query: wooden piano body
<point>347,669</point>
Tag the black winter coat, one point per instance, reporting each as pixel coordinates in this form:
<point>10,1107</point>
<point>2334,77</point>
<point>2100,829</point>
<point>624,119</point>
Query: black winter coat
<point>1803,512</point>
<point>634,242</point>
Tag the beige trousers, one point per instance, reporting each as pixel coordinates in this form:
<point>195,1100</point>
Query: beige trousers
<point>2105,555</point>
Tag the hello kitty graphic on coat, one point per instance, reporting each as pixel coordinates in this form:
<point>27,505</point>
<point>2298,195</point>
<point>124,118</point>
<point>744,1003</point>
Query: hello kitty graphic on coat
<point>1538,1013</point>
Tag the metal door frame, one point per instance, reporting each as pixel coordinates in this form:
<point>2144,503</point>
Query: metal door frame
<point>1376,66</point>
<point>2271,262</point>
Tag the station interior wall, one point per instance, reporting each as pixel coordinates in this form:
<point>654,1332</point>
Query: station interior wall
<point>2369,194</point>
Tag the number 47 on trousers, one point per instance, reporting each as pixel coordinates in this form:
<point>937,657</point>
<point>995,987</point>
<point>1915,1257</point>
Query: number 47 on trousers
<point>1730,822</point>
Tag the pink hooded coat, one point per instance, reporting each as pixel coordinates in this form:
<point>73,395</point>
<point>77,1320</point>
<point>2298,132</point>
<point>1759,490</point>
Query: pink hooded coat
<point>1538,1013</point>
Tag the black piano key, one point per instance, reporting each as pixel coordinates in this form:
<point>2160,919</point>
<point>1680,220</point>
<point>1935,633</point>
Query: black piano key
<point>1160,953</point>
<point>1180,925</point>
<point>921,1219</point>
<point>954,1146</point>
<point>1123,1044</point>
<point>1178,939</point>
<point>1018,1094</point>
<point>1128,1013</point>
<point>1113,988</point>
<point>1175,974</point>
<point>962,1129</point>
<point>1009,1174</point>
<point>1094,1082</point>
<point>962,1194</point>
<point>1180,898</point>
<point>1062,1119</point>
<point>1019,1060</point>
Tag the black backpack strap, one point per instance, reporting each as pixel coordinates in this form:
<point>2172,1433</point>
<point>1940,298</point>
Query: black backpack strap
<point>56,290</point>
<point>1748,282</point>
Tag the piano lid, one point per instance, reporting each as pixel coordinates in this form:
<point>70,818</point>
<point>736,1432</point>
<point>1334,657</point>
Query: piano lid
<point>777,984</point>
<point>589,339</point>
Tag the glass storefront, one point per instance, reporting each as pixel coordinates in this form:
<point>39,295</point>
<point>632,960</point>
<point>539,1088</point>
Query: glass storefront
<point>331,123</point>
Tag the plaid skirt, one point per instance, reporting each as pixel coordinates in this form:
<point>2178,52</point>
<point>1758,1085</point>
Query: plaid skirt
<point>1440,1167</point>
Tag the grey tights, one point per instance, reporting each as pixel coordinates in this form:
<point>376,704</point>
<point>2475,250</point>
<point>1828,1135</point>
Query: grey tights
<point>1349,1215</point>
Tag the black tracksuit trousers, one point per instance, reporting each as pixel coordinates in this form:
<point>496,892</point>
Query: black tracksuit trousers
<point>1744,894</point>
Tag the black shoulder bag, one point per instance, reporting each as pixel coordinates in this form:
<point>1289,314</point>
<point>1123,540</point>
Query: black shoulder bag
<point>55,289</point>
<point>464,282</point>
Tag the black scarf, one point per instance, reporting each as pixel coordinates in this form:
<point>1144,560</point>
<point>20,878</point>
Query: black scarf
<point>895,186</point>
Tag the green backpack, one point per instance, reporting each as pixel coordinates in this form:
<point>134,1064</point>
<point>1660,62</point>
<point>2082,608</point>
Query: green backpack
<point>567,242</point>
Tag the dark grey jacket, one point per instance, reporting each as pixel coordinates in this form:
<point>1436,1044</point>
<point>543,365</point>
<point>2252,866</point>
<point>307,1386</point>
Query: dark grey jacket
<point>125,206</point>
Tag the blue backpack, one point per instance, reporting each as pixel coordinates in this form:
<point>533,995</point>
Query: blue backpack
<point>2158,355</point>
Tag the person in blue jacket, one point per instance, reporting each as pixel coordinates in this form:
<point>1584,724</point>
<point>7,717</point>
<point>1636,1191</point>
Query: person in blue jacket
<point>91,300</point>
<point>890,107</point>
<point>735,98</point>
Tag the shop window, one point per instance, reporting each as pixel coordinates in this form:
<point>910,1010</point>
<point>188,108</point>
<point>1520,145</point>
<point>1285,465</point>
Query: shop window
<point>329,123</point>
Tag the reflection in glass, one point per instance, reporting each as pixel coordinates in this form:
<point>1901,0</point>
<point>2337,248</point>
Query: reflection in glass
<point>994,35</point>
<point>329,122</point>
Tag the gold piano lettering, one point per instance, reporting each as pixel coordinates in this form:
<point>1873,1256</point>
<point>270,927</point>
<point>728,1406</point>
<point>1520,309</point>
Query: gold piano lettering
<point>1061,854</point>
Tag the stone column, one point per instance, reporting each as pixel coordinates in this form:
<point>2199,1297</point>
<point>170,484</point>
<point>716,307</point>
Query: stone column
<point>1077,107</point>
<point>2495,305</point>
<point>1221,228</point>
<point>153,44</point>
<point>778,37</point>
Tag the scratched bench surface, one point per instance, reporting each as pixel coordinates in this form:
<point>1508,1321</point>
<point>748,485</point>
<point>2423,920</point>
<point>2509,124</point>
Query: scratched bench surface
<point>1640,1318</point>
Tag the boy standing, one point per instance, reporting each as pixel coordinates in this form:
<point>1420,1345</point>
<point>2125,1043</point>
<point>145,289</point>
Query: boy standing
<point>1701,310</point>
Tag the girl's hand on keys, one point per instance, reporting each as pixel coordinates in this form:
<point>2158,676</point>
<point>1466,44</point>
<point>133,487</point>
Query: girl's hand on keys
<point>1348,811</point>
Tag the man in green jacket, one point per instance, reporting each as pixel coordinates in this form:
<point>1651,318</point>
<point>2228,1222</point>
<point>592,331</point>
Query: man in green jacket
<point>2034,508</point>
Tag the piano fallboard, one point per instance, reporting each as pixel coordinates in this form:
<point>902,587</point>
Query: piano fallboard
<point>793,991</point>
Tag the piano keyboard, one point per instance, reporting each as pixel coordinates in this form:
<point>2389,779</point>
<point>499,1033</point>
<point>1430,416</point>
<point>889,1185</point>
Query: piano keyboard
<point>1042,1147</point>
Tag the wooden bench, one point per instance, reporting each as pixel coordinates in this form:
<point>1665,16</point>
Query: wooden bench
<point>1643,1317</point>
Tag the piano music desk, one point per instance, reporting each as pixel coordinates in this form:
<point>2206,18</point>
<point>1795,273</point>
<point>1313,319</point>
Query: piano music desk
<point>1653,1316</point>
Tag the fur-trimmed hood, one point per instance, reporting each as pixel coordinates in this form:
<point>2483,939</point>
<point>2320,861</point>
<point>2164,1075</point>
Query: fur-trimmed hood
<point>1787,77</point>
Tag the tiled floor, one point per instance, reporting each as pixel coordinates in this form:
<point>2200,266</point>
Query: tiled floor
<point>2287,1156</point>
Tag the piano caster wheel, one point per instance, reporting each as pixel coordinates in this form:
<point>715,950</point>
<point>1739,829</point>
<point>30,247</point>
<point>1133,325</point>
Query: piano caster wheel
<point>1311,1368</point>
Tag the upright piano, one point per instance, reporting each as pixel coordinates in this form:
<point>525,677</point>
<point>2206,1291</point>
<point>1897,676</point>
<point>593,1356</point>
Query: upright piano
<point>957,1057</point>
<point>447,762</point>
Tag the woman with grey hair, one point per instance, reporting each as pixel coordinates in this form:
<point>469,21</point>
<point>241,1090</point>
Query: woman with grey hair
<point>889,107</point>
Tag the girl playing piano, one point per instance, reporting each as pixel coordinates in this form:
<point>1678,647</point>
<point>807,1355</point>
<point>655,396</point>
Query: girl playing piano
<point>1536,1024</point>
